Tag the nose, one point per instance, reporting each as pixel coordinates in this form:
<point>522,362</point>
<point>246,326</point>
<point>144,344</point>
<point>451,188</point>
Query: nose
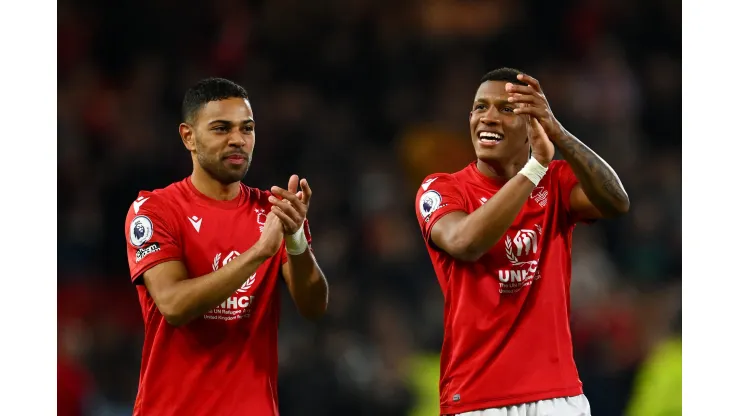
<point>237,139</point>
<point>491,117</point>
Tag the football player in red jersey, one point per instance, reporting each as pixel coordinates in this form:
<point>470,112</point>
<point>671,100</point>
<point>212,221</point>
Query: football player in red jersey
<point>205,254</point>
<point>499,236</point>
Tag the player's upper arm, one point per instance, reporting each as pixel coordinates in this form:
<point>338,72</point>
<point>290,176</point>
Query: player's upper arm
<point>160,281</point>
<point>577,205</point>
<point>152,235</point>
<point>446,237</point>
<point>581,207</point>
<point>440,206</point>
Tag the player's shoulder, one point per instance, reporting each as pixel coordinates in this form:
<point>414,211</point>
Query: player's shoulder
<point>436,180</point>
<point>160,200</point>
<point>442,182</point>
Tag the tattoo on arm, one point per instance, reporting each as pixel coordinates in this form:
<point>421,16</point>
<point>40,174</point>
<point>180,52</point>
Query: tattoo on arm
<point>599,181</point>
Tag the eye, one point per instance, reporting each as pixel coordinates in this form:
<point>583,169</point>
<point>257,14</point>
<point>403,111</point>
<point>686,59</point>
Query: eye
<point>220,129</point>
<point>249,128</point>
<point>479,107</point>
<point>507,109</point>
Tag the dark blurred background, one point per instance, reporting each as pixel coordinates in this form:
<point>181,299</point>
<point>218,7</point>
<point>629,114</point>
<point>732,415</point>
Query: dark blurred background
<point>365,98</point>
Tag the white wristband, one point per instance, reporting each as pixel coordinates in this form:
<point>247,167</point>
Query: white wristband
<point>534,171</point>
<point>296,244</point>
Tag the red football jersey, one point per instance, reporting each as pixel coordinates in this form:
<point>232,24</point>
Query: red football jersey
<point>225,362</point>
<point>506,316</point>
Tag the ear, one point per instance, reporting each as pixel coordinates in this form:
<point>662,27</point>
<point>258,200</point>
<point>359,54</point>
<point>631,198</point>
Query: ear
<point>187,134</point>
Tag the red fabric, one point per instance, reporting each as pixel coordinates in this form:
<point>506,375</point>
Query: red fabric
<point>506,316</point>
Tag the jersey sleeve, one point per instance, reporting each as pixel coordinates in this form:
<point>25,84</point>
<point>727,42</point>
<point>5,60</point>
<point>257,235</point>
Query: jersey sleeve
<point>438,196</point>
<point>307,232</point>
<point>567,180</point>
<point>152,236</point>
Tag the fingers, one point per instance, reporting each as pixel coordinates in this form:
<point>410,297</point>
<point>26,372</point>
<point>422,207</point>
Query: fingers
<point>537,112</point>
<point>537,127</point>
<point>306,197</point>
<point>531,81</point>
<point>290,204</point>
<point>525,99</point>
<point>286,207</point>
<point>293,184</point>
<point>289,224</point>
<point>521,94</point>
<point>285,194</point>
<point>520,89</point>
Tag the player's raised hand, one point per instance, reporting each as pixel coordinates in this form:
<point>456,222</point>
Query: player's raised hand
<point>536,104</point>
<point>542,148</point>
<point>291,205</point>
<point>272,235</point>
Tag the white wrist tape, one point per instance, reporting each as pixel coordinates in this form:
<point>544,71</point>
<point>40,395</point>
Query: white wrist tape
<point>296,244</point>
<point>534,171</point>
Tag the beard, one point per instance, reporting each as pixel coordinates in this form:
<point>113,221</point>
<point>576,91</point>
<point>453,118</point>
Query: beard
<point>219,169</point>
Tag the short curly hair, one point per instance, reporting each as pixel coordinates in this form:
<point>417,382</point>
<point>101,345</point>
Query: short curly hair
<point>207,90</point>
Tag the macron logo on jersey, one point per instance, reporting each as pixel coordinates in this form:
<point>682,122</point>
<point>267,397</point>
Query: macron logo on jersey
<point>138,203</point>
<point>426,184</point>
<point>196,222</point>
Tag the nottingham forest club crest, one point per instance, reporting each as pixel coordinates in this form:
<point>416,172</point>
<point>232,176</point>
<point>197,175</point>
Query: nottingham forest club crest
<point>261,218</point>
<point>520,252</point>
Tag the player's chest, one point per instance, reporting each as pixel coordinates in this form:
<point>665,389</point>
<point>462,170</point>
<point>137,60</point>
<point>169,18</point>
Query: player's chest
<point>514,260</point>
<point>212,238</point>
<point>536,212</point>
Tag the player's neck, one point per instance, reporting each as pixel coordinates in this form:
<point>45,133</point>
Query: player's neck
<point>499,171</point>
<point>212,188</point>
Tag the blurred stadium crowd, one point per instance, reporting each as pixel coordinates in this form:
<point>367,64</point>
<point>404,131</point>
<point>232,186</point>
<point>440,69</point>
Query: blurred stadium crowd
<point>365,98</point>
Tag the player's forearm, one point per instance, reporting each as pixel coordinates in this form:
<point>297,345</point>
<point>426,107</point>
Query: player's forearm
<point>191,298</point>
<point>483,228</point>
<point>599,181</point>
<point>307,285</point>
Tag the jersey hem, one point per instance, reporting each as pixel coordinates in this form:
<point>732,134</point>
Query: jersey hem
<point>510,400</point>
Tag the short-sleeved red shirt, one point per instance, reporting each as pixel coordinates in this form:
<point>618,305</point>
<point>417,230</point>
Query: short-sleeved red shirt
<point>506,316</point>
<point>225,362</point>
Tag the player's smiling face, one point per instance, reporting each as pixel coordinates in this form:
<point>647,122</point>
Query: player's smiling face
<point>499,135</point>
<point>224,139</point>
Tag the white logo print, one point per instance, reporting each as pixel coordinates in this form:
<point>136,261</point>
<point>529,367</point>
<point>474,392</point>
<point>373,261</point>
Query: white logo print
<point>525,241</point>
<point>145,251</point>
<point>429,202</point>
<point>522,246</point>
<point>196,222</point>
<point>483,200</point>
<point>231,256</point>
<point>539,194</point>
<point>240,304</point>
<point>261,218</point>
<point>140,230</point>
<point>426,184</point>
<point>248,284</point>
<point>138,203</point>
